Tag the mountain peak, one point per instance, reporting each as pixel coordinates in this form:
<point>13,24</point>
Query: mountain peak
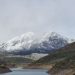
<point>51,34</point>
<point>27,35</point>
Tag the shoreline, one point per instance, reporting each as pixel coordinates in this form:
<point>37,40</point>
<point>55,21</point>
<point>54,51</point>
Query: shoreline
<point>48,67</point>
<point>38,66</point>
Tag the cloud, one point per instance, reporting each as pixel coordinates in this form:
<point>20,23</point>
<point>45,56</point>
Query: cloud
<point>39,16</point>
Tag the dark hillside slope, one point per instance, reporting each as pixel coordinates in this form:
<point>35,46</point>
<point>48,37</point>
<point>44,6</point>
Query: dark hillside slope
<point>3,68</point>
<point>60,54</point>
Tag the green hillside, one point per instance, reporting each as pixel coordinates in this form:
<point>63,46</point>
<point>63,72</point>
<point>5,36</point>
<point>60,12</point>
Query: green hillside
<point>58,55</point>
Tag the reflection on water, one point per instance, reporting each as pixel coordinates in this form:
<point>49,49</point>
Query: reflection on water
<point>19,71</point>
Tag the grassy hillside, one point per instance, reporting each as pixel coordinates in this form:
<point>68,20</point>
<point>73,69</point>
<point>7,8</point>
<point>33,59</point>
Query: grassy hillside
<point>67,67</point>
<point>58,55</point>
<point>15,61</point>
<point>63,60</point>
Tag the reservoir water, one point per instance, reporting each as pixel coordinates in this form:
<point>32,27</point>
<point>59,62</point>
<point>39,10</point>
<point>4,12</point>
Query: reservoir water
<point>27,72</point>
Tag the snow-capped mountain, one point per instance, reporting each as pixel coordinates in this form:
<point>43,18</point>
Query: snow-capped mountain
<point>29,43</point>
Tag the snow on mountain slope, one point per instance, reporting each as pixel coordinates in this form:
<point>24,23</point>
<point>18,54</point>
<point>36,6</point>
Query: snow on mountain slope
<point>52,41</point>
<point>35,56</point>
<point>19,42</point>
<point>29,43</point>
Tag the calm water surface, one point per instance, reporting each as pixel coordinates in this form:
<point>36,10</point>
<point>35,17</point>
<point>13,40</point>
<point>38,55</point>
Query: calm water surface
<point>27,72</point>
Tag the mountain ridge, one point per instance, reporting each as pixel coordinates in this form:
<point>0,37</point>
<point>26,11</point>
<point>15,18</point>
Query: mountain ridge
<point>29,43</point>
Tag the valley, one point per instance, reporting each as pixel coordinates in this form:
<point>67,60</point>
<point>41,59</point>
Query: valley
<point>54,53</point>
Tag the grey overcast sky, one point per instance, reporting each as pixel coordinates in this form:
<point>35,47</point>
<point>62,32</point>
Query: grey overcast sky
<point>38,16</point>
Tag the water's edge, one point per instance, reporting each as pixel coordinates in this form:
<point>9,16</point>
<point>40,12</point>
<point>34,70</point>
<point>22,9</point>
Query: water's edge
<point>20,71</point>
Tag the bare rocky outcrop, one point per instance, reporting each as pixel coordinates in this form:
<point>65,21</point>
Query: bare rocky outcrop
<point>4,69</point>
